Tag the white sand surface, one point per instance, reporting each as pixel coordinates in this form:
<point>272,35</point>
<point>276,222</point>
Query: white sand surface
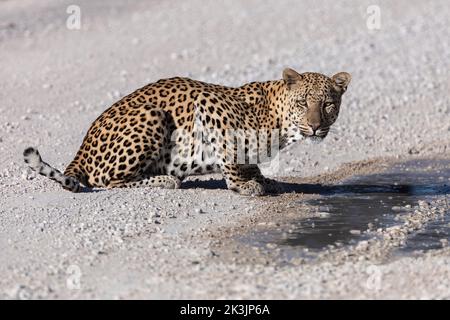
<point>146,243</point>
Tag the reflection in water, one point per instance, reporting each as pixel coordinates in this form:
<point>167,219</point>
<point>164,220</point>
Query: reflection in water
<point>348,208</point>
<point>345,214</point>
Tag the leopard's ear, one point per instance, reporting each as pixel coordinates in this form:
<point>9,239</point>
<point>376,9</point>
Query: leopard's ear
<point>291,77</point>
<point>341,81</point>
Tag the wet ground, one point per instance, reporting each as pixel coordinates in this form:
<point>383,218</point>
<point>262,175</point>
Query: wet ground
<point>345,211</point>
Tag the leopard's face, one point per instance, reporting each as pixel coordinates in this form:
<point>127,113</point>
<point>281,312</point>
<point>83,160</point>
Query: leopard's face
<point>314,101</point>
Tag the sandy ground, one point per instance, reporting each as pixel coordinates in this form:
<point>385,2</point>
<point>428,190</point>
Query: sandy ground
<point>147,243</point>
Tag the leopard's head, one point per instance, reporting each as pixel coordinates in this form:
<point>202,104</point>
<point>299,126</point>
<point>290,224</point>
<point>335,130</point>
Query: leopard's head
<point>314,100</point>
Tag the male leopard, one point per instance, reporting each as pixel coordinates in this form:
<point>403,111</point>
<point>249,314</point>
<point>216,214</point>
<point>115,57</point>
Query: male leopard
<point>132,143</point>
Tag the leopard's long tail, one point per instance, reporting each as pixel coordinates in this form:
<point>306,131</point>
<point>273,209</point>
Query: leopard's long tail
<point>32,157</point>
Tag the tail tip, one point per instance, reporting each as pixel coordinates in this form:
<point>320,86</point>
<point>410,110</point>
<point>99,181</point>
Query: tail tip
<point>30,153</point>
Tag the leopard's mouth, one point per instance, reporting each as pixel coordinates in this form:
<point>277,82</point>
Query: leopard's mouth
<point>312,138</point>
<point>320,134</point>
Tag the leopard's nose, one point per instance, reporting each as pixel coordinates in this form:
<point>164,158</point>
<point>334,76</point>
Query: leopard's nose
<point>314,126</point>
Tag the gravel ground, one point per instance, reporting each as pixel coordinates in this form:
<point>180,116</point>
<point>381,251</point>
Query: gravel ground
<point>147,243</point>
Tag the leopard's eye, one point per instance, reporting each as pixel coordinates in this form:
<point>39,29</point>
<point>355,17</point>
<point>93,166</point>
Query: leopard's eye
<point>329,108</point>
<point>301,103</point>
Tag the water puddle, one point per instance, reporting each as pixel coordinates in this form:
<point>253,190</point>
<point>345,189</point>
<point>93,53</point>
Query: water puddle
<point>347,209</point>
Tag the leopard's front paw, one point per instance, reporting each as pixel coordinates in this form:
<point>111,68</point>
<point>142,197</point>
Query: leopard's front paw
<point>170,182</point>
<point>251,188</point>
<point>164,182</point>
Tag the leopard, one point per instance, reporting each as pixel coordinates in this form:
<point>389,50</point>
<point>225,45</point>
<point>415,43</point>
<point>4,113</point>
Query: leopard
<point>174,128</point>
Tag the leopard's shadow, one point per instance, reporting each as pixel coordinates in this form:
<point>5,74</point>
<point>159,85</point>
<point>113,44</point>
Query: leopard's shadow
<point>351,188</point>
<point>322,189</point>
<point>287,187</point>
<point>204,184</point>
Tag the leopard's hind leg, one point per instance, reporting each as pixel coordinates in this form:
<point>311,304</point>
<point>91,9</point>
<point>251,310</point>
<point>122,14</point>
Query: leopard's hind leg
<point>139,163</point>
<point>156,181</point>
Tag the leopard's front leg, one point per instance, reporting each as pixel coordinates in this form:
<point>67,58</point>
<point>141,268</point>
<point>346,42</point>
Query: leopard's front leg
<point>270,185</point>
<point>239,179</point>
